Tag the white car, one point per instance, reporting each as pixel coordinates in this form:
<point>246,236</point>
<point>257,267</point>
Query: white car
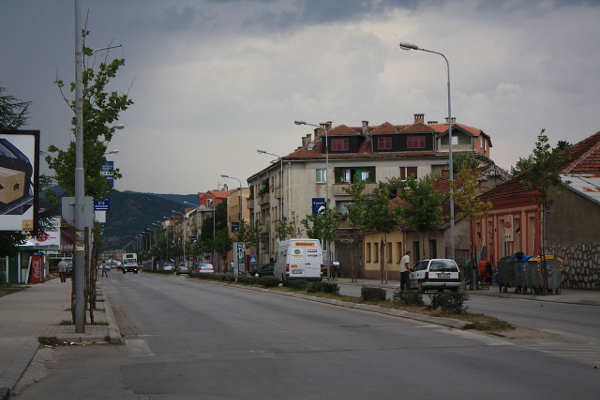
<point>438,274</point>
<point>169,267</point>
<point>205,269</point>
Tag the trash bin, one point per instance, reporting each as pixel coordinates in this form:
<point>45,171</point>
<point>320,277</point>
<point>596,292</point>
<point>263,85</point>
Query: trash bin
<point>520,268</point>
<point>534,272</point>
<point>506,273</point>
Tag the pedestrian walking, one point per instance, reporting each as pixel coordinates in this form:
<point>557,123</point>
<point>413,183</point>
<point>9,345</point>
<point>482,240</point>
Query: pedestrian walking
<point>405,272</point>
<point>105,270</point>
<point>62,270</point>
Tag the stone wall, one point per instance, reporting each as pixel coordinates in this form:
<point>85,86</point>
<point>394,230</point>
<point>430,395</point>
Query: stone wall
<point>581,264</point>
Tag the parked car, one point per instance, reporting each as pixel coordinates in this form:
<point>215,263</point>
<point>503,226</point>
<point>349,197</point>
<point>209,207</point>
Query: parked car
<point>168,267</point>
<point>334,269</point>
<point>436,274</point>
<point>69,268</point>
<point>205,269</point>
<point>182,269</point>
<point>265,270</point>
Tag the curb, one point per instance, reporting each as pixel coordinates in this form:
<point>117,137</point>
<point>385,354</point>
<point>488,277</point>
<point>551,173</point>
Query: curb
<point>114,334</point>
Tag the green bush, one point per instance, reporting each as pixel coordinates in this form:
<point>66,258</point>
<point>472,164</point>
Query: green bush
<point>331,288</point>
<point>372,294</point>
<point>408,298</point>
<point>449,302</point>
<point>268,281</point>
<point>296,284</point>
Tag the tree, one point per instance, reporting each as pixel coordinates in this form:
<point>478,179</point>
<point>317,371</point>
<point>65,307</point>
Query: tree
<point>289,228</point>
<point>459,159</point>
<point>13,112</point>
<point>522,165</point>
<point>544,175</point>
<point>357,218</point>
<point>464,194</point>
<point>322,226</point>
<point>100,111</point>
<point>384,218</point>
<point>424,209</point>
<point>250,235</point>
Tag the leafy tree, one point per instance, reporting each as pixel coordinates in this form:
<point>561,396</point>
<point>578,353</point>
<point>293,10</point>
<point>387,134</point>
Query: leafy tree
<point>358,218</point>
<point>460,159</point>
<point>289,228</point>
<point>322,226</point>
<point>384,218</point>
<point>250,235</point>
<point>100,111</point>
<point>522,165</point>
<point>464,196</point>
<point>424,209</point>
<point>544,175</point>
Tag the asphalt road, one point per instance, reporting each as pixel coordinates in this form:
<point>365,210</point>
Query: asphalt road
<point>186,339</point>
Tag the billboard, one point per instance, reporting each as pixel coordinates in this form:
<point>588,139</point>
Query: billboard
<point>19,173</point>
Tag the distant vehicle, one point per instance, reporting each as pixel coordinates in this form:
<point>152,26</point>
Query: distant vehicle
<point>182,269</point>
<point>168,267</point>
<point>205,269</point>
<point>130,263</point>
<point>436,274</point>
<point>265,270</point>
<point>299,259</point>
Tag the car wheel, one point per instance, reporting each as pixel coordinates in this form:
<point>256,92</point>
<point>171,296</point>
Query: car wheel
<point>124,272</point>
<point>421,288</point>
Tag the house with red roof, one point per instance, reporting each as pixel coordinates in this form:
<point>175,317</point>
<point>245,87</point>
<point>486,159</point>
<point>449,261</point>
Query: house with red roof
<point>331,158</point>
<point>572,229</point>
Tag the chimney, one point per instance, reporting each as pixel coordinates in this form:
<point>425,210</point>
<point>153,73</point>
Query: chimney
<point>365,128</point>
<point>419,118</point>
<point>453,120</point>
<point>327,125</point>
<point>445,173</point>
<point>432,122</point>
<point>308,138</point>
<point>304,141</point>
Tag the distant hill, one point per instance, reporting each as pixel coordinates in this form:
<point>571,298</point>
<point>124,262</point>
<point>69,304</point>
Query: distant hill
<point>131,212</point>
<point>178,198</point>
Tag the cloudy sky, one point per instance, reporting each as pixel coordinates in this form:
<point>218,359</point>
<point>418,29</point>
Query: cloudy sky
<point>217,79</point>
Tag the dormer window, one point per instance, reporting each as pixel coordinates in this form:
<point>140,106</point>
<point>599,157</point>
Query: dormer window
<point>340,145</point>
<point>384,143</point>
<point>415,142</point>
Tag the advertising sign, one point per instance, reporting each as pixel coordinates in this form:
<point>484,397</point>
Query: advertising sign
<point>509,235</point>
<point>37,268</point>
<point>107,171</point>
<point>318,205</point>
<point>19,172</point>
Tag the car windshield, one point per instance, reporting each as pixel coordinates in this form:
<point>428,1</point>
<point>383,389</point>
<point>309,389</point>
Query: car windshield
<point>443,265</point>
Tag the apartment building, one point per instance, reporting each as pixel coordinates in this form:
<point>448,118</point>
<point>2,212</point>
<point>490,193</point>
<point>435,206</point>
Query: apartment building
<point>330,159</point>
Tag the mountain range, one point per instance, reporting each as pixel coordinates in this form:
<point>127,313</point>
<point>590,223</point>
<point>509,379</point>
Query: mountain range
<point>131,212</point>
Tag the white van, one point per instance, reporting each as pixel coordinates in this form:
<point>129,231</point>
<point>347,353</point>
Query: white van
<point>299,259</point>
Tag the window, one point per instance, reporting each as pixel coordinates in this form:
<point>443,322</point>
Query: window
<point>342,207</point>
<point>384,143</point>
<point>389,252</point>
<point>405,172</point>
<point>350,174</point>
<point>376,252</point>
<point>415,142</point>
<point>368,251</point>
<point>321,176</point>
<point>454,140</point>
<point>340,144</point>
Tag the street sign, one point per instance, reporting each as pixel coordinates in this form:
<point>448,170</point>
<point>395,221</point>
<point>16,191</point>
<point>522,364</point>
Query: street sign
<point>101,205</point>
<point>235,226</point>
<point>318,205</point>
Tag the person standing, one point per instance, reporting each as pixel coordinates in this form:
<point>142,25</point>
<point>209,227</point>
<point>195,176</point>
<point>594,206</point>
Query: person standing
<point>105,270</point>
<point>62,270</point>
<point>405,272</point>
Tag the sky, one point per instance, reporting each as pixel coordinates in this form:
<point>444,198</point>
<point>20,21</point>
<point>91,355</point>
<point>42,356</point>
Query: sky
<point>212,81</point>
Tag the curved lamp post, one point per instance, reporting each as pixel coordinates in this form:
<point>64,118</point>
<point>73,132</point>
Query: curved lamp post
<point>239,193</point>
<point>409,46</point>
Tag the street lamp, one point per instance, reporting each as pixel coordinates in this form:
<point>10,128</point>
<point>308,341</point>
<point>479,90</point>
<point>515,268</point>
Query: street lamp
<point>326,178</point>
<point>183,233</point>
<point>111,152</point>
<point>409,46</point>
<point>280,181</point>
<point>239,193</point>
<point>214,211</point>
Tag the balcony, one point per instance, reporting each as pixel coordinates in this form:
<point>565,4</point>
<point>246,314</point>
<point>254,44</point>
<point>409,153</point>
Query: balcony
<point>250,203</point>
<point>278,193</point>
<point>338,188</point>
<point>264,199</point>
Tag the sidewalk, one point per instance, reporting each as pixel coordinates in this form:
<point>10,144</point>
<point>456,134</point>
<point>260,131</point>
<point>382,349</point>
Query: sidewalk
<point>38,311</point>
